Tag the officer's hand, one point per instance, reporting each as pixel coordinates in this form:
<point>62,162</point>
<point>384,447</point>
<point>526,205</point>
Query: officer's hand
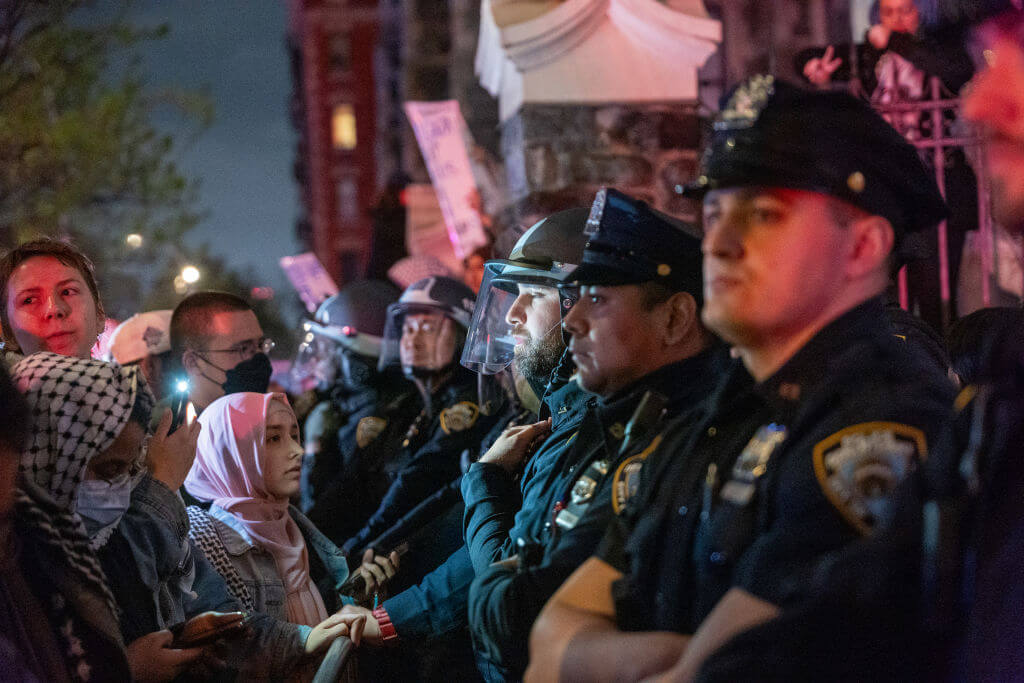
<point>515,444</point>
<point>369,629</point>
<point>170,456</point>
<point>152,659</point>
<point>377,570</point>
<point>820,69</point>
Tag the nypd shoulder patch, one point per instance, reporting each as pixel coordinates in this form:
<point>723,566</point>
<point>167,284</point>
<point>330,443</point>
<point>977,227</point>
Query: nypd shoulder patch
<point>459,417</point>
<point>859,467</point>
<point>368,429</point>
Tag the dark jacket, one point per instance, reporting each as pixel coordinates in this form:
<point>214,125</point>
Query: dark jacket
<point>430,458</point>
<point>504,603</point>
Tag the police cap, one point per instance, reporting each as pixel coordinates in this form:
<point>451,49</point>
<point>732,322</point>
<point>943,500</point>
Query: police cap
<point>628,242</point>
<point>774,134</point>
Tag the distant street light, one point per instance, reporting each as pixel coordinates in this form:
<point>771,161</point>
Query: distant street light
<point>190,275</point>
<point>133,240</point>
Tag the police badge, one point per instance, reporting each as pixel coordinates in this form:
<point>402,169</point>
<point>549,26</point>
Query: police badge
<point>746,103</point>
<point>459,417</point>
<point>368,429</point>
<point>860,466</point>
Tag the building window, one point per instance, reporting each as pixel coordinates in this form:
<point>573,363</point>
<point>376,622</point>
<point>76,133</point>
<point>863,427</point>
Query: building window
<point>343,127</point>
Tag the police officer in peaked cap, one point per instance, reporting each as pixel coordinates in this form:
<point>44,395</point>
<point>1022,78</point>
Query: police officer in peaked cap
<point>808,199</point>
<point>638,344</point>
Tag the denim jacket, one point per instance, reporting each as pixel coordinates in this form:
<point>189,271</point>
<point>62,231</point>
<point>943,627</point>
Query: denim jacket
<point>170,580</point>
<point>257,569</point>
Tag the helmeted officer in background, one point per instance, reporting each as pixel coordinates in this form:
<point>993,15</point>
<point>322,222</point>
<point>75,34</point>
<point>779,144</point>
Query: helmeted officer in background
<point>807,199</point>
<point>424,334</point>
<point>517,326</point>
<point>340,352</point>
<point>639,345</point>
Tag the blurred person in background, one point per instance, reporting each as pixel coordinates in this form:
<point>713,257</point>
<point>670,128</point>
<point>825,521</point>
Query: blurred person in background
<point>145,340</point>
<point>340,353</point>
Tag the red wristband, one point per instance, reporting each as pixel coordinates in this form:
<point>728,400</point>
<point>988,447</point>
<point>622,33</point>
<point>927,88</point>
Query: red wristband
<point>387,629</point>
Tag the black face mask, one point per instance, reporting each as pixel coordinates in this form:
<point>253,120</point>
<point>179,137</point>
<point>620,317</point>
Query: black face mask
<point>251,375</point>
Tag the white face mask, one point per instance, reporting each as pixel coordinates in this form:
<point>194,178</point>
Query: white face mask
<point>102,503</point>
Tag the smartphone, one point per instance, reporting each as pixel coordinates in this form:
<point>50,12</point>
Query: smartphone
<point>178,408</point>
<point>207,628</point>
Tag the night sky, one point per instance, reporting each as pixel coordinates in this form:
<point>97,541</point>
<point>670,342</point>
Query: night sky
<point>235,50</point>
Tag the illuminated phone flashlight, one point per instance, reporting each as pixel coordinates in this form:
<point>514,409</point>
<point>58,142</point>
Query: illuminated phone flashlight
<point>181,386</point>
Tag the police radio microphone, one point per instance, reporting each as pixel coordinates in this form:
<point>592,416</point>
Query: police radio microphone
<point>645,418</point>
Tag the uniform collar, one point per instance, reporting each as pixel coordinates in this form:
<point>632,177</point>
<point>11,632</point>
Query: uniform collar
<point>809,366</point>
<point>566,404</point>
<point>684,383</point>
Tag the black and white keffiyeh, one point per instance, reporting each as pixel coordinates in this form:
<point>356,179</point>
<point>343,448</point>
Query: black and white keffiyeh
<point>78,408</point>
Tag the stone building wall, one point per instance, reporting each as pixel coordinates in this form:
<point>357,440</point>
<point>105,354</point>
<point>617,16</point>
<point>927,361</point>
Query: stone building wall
<point>558,156</point>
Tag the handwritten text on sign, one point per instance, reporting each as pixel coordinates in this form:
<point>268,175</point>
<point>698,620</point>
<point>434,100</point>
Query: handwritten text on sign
<point>439,128</point>
<point>309,278</point>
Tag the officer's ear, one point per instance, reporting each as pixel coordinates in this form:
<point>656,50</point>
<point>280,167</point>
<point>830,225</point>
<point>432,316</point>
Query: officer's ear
<point>873,238</point>
<point>683,319</point>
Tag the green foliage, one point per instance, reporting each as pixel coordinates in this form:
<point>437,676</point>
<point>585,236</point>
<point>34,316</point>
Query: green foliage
<point>81,159</point>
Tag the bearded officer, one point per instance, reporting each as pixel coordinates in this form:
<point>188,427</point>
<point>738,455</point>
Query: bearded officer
<point>516,325</point>
<point>635,333</point>
<point>808,197</point>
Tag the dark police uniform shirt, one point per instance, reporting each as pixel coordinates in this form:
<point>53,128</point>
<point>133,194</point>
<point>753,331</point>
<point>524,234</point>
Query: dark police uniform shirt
<point>431,458</point>
<point>503,603</point>
<point>935,595</point>
<point>339,427</point>
<point>772,478</point>
<point>346,502</point>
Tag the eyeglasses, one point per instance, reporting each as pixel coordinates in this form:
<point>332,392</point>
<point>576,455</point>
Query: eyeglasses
<point>247,349</point>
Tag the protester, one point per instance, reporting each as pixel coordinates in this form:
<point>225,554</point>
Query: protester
<point>145,339</point>
<point>81,452</point>
<point>50,300</point>
<point>52,592</point>
<point>219,344</point>
<point>247,467</point>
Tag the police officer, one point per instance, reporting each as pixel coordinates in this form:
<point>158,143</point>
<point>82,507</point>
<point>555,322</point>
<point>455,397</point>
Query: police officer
<point>808,197</point>
<point>635,333</point>
<point>425,333</point>
<point>936,596</point>
<point>340,353</point>
<point>516,325</point>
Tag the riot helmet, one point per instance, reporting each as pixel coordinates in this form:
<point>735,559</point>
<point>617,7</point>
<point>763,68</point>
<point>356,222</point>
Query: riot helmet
<point>426,327</point>
<point>343,341</point>
<point>540,263</point>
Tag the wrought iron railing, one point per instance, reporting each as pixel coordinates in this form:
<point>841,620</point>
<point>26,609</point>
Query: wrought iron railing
<point>935,127</point>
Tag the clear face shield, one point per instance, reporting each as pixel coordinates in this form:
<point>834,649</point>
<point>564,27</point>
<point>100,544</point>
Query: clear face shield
<point>512,312</point>
<point>420,338</point>
<point>315,363</point>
